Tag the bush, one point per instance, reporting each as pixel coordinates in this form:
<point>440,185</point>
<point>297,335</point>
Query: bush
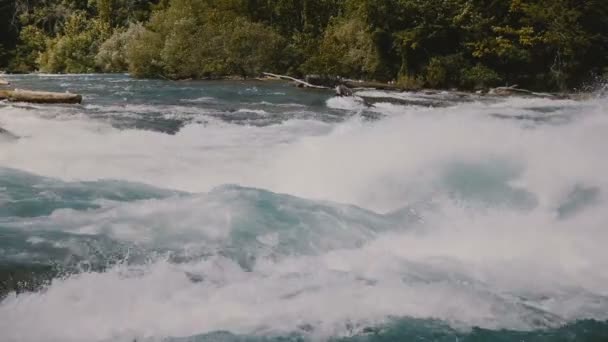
<point>480,77</point>
<point>347,49</point>
<point>435,73</point>
<point>33,43</point>
<point>190,40</point>
<point>75,49</point>
<point>444,71</point>
<point>250,48</point>
<point>410,82</point>
<point>143,53</point>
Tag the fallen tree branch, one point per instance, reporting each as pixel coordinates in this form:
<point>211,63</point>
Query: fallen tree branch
<point>514,90</point>
<point>295,80</point>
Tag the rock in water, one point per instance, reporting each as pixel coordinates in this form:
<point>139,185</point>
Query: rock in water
<point>342,90</point>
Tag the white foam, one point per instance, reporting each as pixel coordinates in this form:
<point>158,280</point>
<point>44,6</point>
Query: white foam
<point>347,103</point>
<point>455,269</point>
<point>266,103</point>
<point>198,158</point>
<point>255,111</point>
<point>372,164</point>
<point>203,99</point>
<point>35,240</point>
<point>469,263</point>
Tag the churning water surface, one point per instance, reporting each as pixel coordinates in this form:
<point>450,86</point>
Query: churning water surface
<point>254,211</point>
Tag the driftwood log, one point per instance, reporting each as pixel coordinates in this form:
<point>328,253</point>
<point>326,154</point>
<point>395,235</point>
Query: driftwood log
<point>19,95</point>
<point>4,82</point>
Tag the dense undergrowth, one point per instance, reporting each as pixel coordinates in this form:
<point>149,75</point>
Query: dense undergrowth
<point>548,44</point>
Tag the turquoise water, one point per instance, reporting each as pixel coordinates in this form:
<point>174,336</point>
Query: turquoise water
<point>255,211</point>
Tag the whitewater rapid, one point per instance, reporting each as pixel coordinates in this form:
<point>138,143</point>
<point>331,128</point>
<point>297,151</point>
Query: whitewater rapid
<point>339,162</point>
<point>481,213</point>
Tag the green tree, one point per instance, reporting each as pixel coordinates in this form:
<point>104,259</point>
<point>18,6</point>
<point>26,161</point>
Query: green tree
<point>143,53</point>
<point>346,49</point>
<point>250,48</point>
<point>112,55</point>
<point>74,50</point>
<point>199,38</point>
<point>33,43</point>
<point>551,44</point>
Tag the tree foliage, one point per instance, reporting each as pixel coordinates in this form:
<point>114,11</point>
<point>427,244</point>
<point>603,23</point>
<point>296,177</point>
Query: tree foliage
<point>550,44</point>
<point>346,49</point>
<point>75,48</point>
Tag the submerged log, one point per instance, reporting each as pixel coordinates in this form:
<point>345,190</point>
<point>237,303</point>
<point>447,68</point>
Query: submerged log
<point>513,90</point>
<point>370,85</point>
<point>19,95</point>
<point>334,81</point>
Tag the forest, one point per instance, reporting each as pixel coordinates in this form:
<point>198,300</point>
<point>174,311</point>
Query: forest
<point>555,45</point>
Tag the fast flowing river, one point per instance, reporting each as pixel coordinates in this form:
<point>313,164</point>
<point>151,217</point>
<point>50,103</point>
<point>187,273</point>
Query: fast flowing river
<point>255,211</point>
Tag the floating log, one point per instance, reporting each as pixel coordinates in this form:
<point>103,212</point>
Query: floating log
<point>20,95</point>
